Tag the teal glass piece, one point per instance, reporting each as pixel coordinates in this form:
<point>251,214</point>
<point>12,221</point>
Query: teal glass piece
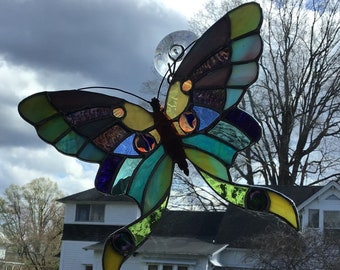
<point>206,116</point>
<point>246,49</point>
<point>126,147</point>
<point>243,74</point>
<point>70,144</point>
<point>233,97</point>
<point>159,184</point>
<point>210,145</point>
<point>91,153</point>
<point>143,175</point>
<point>126,169</point>
<point>230,134</point>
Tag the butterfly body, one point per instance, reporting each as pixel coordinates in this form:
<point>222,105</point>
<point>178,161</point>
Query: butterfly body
<point>169,136</point>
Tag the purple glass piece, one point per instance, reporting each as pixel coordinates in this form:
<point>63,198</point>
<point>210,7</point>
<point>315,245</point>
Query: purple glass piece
<point>107,171</point>
<point>244,122</point>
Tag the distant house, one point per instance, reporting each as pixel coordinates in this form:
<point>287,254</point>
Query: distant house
<point>183,240</point>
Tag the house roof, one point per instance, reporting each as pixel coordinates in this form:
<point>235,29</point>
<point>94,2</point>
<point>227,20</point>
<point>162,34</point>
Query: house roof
<point>93,195</point>
<point>297,193</point>
<point>178,246</point>
<point>322,190</point>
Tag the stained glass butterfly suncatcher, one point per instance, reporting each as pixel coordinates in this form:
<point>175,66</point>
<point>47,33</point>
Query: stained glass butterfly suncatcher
<point>200,122</point>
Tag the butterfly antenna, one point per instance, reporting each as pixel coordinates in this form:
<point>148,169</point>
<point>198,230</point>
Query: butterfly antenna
<point>116,89</point>
<point>175,57</point>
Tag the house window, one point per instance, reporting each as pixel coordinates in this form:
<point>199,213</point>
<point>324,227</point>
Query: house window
<point>90,212</point>
<point>313,218</point>
<point>331,221</point>
<point>167,267</point>
<point>88,267</point>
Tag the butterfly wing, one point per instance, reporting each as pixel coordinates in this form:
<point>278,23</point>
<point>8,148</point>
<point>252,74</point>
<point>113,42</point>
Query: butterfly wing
<point>86,125</point>
<point>118,135</point>
<point>220,66</point>
<point>203,98</point>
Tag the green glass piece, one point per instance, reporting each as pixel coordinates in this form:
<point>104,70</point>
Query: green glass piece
<point>233,96</point>
<point>91,153</point>
<point>53,129</point>
<point>243,74</point>
<point>244,19</point>
<point>159,184</point>
<point>234,194</point>
<point>211,145</point>
<point>71,143</point>
<point>206,162</point>
<point>231,135</point>
<point>143,175</point>
<point>142,228</point>
<point>246,49</point>
<point>36,108</point>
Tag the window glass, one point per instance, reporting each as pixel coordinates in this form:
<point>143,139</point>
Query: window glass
<point>331,219</point>
<point>97,212</point>
<point>83,212</point>
<point>90,212</point>
<point>182,268</point>
<point>152,267</point>
<point>88,267</point>
<point>167,267</point>
<point>313,218</point>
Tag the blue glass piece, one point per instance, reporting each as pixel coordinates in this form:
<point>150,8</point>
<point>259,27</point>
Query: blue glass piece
<point>246,123</point>
<point>105,175</point>
<point>206,116</point>
<point>126,147</point>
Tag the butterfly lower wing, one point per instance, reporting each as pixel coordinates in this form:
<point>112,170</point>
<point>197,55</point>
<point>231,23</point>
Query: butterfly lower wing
<point>123,242</point>
<point>213,153</point>
<point>150,188</point>
<point>254,198</point>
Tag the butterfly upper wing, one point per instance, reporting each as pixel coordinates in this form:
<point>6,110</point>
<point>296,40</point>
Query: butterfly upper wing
<point>220,66</point>
<point>207,86</point>
<point>83,124</point>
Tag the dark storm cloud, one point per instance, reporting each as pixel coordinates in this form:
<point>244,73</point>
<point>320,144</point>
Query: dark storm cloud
<point>110,42</point>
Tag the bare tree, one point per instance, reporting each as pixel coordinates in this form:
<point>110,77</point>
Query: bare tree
<point>32,220</point>
<point>296,97</point>
<point>287,249</point>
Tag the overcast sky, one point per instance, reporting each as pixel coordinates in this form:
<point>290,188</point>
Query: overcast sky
<point>65,44</point>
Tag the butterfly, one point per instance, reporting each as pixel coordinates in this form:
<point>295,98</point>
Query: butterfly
<point>137,149</point>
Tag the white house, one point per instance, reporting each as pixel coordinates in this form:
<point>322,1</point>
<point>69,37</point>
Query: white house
<point>183,240</point>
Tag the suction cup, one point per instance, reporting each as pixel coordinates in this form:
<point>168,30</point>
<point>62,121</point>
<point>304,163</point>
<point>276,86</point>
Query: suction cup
<point>172,49</point>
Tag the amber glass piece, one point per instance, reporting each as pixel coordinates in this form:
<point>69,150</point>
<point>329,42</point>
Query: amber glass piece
<point>188,122</point>
<point>187,85</point>
<point>118,112</point>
